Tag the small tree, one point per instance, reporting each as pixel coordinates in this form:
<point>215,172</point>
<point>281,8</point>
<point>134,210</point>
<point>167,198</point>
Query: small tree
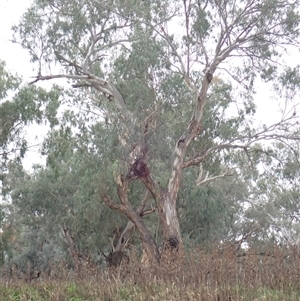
<point>150,68</point>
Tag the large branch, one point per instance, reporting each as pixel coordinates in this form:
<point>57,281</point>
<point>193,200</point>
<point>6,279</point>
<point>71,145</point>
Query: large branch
<point>125,208</point>
<point>128,230</point>
<point>203,156</point>
<point>153,187</point>
<point>99,83</point>
<point>231,37</point>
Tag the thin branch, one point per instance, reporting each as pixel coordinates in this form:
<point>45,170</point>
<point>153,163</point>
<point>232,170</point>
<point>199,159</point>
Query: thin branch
<point>187,11</point>
<point>5,153</point>
<point>183,69</point>
<point>262,135</point>
<point>208,179</point>
<point>90,51</point>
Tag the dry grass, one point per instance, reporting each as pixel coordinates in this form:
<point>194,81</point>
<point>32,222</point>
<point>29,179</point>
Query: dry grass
<point>223,274</point>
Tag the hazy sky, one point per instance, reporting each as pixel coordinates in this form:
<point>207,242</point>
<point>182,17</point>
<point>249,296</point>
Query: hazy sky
<point>16,58</point>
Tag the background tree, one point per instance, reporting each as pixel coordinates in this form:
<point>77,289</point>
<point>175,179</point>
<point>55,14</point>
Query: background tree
<point>271,211</point>
<point>21,105</point>
<point>150,69</point>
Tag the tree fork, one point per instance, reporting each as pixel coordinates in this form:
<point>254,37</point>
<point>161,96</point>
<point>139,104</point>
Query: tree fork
<point>125,208</point>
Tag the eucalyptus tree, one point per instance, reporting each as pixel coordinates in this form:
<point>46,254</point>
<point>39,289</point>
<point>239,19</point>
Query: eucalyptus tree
<point>153,69</point>
<point>56,214</point>
<point>271,211</point>
<point>21,105</point>
<point>10,126</point>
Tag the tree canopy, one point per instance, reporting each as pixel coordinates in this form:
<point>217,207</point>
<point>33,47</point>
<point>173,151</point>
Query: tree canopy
<point>157,114</point>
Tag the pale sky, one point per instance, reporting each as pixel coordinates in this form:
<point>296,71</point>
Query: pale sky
<point>16,58</point>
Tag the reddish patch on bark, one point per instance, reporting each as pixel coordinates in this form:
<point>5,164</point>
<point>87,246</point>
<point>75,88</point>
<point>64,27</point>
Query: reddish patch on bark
<point>139,169</point>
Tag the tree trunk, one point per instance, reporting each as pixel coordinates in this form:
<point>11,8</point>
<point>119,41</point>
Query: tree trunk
<point>170,223</point>
<point>72,248</point>
<point>166,199</point>
<point>130,227</point>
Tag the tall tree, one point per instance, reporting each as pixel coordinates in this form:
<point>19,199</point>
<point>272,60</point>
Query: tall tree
<point>21,106</point>
<point>150,67</point>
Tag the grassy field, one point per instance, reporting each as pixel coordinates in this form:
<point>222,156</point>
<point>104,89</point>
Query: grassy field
<point>223,274</point>
<point>109,291</point>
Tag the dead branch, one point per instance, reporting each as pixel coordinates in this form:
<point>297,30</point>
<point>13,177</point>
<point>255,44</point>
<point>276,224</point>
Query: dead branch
<point>201,181</point>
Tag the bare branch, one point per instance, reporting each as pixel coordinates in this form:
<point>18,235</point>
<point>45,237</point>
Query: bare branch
<point>187,11</point>
<point>98,83</point>
<point>183,70</point>
<point>110,203</point>
<point>90,51</point>
<point>266,134</point>
<point>201,181</point>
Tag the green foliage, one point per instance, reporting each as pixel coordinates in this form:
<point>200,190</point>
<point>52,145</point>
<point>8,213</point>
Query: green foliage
<point>156,54</point>
<point>8,82</point>
<point>21,106</point>
<point>6,235</point>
